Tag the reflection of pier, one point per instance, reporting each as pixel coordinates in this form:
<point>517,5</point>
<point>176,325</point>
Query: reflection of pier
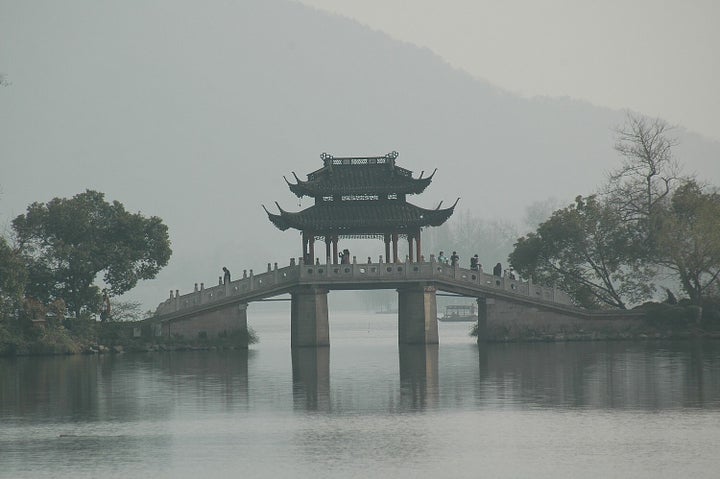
<point>419,378</point>
<point>311,378</point>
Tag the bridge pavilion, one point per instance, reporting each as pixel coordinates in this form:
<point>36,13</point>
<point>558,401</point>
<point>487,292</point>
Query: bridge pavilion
<point>360,197</point>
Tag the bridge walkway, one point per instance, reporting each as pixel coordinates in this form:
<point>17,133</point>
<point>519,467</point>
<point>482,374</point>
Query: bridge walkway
<point>278,281</point>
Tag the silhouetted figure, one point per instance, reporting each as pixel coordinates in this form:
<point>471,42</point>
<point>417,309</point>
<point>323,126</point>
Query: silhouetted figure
<point>671,299</point>
<point>497,270</point>
<point>226,275</point>
<point>105,311</point>
<point>474,263</point>
<point>345,256</point>
<point>442,258</point>
<point>454,258</point>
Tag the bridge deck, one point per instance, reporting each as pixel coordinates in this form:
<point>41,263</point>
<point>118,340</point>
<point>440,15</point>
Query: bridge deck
<point>277,281</point>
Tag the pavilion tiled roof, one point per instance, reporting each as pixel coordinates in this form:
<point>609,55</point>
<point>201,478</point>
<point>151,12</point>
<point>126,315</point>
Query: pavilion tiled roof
<point>359,176</point>
<point>360,196</point>
<point>360,217</point>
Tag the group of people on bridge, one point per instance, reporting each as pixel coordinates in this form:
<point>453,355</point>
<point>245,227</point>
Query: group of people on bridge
<point>453,260</point>
<point>475,264</point>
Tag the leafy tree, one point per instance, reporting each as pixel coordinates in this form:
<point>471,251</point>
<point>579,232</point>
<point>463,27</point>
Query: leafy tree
<point>13,277</point>
<point>68,242</point>
<point>689,239</point>
<point>587,250</point>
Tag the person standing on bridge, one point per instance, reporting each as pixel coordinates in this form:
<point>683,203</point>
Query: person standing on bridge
<point>454,258</point>
<point>105,311</point>
<point>226,275</point>
<point>441,258</point>
<point>497,270</point>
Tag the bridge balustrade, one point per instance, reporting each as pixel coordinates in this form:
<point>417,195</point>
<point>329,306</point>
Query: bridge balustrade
<point>275,279</point>
<point>251,284</point>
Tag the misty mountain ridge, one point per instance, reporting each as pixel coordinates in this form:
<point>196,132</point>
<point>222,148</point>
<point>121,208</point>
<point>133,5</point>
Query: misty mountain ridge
<point>194,114</point>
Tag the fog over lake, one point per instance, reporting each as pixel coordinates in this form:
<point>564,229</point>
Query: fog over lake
<point>195,113</point>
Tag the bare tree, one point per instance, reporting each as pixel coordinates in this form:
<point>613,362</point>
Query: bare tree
<point>648,172</point>
<point>125,310</point>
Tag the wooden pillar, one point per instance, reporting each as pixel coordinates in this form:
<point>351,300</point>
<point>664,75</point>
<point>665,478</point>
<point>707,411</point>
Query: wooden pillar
<point>304,248</point>
<point>312,247</point>
<point>335,251</point>
<point>417,244</point>
<point>410,247</point>
<point>387,248</point>
<point>395,247</point>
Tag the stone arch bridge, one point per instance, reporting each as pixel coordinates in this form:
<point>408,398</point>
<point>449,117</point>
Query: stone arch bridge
<point>223,308</point>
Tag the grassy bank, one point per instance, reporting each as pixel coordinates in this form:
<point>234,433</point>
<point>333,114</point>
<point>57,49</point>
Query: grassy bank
<point>83,336</point>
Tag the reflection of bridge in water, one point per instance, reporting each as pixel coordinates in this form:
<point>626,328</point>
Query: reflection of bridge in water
<point>571,374</point>
<point>223,307</point>
<point>419,378</point>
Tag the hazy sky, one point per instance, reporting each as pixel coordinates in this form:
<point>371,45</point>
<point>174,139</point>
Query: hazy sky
<point>194,111</point>
<point>659,57</point>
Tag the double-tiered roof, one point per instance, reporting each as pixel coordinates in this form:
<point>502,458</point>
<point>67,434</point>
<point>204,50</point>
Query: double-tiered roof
<point>359,175</point>
<point>360,197</point>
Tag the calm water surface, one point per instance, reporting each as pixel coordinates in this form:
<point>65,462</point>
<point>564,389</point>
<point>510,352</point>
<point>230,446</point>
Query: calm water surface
<point>366,408</point>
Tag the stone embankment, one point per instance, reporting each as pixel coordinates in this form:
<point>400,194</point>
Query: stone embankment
<point>156,347</point>
<point>652,321</point>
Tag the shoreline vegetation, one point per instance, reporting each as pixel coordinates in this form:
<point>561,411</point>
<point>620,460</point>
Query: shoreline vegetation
<point>650,227</point>
<point>87,336</point>
<point>662,321</point>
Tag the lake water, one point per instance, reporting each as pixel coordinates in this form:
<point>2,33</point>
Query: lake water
<point>366,408</point>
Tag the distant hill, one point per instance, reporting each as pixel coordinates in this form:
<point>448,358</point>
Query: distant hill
<point>194,113</point>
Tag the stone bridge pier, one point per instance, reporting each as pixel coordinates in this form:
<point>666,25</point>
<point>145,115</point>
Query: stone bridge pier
<point>417,315</point>
<point>309,317</point>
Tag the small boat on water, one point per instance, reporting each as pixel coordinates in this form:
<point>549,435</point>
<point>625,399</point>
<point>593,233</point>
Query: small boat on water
<point>460,312</point>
